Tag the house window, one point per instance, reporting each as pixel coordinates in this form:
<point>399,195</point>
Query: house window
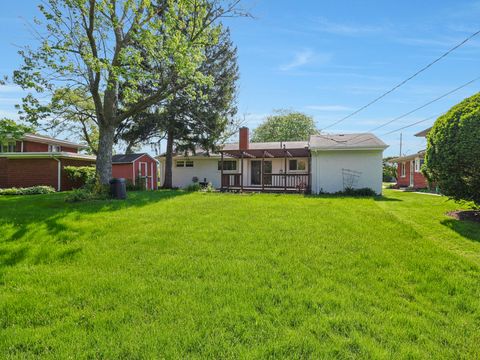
<point>417,165</point>
<point>54,148</point>
<point>184,163</point>
<point>8,147</point>
<point>403,171</point>
<point>228,165</point>
<point>297,165</point>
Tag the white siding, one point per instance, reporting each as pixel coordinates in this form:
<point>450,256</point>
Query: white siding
<point>327,174</point>
<point>203,168</point>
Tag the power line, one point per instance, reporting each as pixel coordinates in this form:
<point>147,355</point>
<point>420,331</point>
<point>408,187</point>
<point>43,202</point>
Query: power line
<point>413,124</point>
<point>418,108</point>
<point>403,82</point>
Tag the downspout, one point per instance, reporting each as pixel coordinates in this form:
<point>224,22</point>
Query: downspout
<point>59,173</point>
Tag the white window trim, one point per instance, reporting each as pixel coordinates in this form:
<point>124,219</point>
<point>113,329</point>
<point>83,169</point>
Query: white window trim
<point>403,169</point>
<point>297,171</point>
<point>417,165</point>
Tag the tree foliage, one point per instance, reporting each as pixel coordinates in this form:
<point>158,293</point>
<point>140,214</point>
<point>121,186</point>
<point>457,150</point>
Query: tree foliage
<point>11,130</point>
<point>389,169</point>
<point>102,46</point>
<point>285,125</point>
<point>202,119</point>
<point>452,158</point>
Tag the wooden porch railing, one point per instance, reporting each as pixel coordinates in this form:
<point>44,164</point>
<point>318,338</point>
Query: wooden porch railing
<point>231,180</point>
<point>287,181</point>
<point>270,181</point>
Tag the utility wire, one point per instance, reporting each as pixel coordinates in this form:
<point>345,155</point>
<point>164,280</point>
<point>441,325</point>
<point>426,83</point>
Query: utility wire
<point>413,124</point>
<point>403,82</point>
<point>418,108</point>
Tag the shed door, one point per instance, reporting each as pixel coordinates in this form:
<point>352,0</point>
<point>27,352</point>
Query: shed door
<point>144,173</point>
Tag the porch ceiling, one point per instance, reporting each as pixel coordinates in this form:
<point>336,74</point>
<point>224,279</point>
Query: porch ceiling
<point>267,153</point>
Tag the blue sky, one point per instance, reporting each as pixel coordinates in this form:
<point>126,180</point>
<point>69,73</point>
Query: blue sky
<point>327,58</point>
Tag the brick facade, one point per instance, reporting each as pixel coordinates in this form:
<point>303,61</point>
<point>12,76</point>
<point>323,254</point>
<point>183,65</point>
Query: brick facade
<point>33,172</point>
<point>419,181</point>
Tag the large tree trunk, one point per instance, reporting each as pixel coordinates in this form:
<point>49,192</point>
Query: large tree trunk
<point>104,156</point>
<point>167,184</point>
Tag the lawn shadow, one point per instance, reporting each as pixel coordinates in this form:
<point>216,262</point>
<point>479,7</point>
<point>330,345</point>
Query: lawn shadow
<point>385,198</point>
<point>467,229</point>
<point>23,214</point>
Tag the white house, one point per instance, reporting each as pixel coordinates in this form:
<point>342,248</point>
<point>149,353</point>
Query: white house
<point>325,163</point>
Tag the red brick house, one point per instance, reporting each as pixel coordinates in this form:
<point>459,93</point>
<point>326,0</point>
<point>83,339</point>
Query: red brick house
<point>409,168</point>
<point>135,167</point>
<point>40,160</point>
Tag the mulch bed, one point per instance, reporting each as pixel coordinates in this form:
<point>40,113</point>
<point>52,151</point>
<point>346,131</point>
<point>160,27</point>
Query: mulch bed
<point>469,215</point>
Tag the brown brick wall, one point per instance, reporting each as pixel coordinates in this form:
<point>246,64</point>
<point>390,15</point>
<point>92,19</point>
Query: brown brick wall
<point>3,172</point>
<point>419,181</point>
<point>69,149</point>
<point>33,172</point>
<point>30,146</point>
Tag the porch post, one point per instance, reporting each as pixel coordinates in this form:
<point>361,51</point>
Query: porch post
<point>263,171</point>
<point>241,176</point>
<point>285,169</point>
<point>309,186</point>
<point>221,170</point>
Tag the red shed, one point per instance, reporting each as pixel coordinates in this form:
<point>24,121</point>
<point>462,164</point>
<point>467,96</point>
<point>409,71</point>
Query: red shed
<point>136,166</point>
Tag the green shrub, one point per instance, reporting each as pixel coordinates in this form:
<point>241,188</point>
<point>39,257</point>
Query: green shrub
<point>138,186</point>
<point>34,190</point>
<point>452,158</point>
<point>348,191</point>
<point>193,187</point>
<point>79,195</point>
<point>83,174</point>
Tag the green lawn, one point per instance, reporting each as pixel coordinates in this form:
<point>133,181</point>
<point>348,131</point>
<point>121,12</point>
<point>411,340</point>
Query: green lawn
<point>194,275</point>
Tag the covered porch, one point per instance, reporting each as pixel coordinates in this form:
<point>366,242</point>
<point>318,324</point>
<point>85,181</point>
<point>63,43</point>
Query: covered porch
<point>281,169</point>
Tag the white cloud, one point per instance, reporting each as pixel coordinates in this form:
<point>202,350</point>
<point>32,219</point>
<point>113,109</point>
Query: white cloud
<point>305,57</point>
<point>328,107</point>
<point>325,25</point>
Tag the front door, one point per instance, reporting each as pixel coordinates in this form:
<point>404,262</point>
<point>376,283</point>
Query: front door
<point>256,172</point>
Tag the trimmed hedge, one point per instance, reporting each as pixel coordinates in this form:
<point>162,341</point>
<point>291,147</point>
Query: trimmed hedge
<point>452,158</point>
<point>34,190</point>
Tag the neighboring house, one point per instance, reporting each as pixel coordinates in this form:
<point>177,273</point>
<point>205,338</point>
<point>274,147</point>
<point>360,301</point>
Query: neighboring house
<point>326,163</point>
<point>409,168</point>
<point>40,160</point>
<point>135,168</point>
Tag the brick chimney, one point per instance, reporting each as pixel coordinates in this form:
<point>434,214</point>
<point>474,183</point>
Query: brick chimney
<point>244,138</point>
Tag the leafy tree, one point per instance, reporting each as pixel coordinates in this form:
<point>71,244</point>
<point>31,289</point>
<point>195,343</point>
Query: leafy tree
<point>11,130</point>
<point>285,125</point>
<point>389,169</point>
<point>452,158</point>
<point>73,111</point>
<point>102,46</point>
<point>201,119</point>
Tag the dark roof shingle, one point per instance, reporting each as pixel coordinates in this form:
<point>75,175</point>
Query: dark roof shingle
<point>126,158</point>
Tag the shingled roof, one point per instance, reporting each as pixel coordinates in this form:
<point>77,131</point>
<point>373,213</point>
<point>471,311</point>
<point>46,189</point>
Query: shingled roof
<point>346,141</point>
<point>126,158</point>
